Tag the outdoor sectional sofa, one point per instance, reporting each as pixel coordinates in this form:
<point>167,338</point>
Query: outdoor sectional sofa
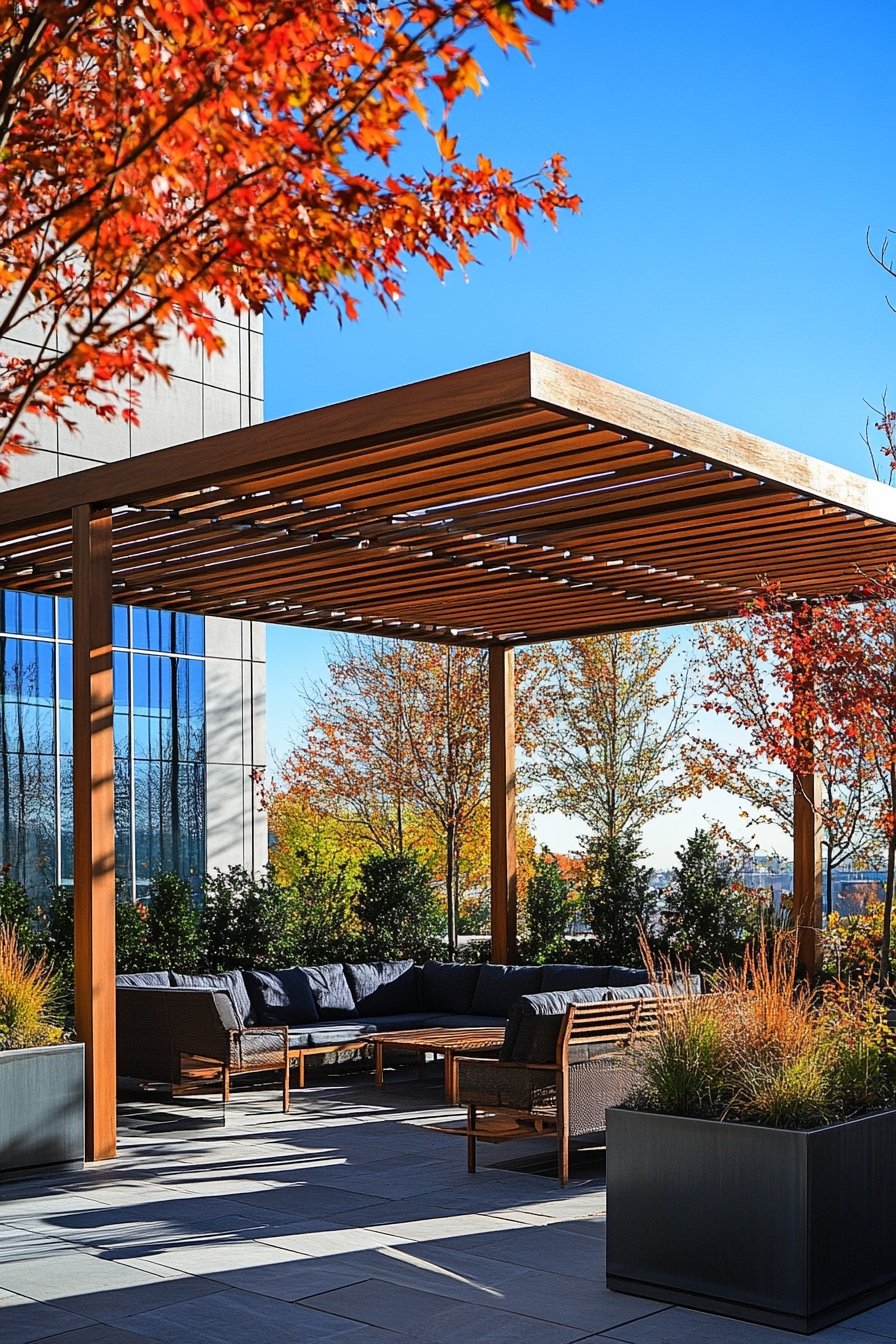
<point>172,1027</point>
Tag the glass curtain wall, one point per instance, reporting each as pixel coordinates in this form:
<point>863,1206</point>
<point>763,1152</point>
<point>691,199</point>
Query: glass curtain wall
<point>159,691</point>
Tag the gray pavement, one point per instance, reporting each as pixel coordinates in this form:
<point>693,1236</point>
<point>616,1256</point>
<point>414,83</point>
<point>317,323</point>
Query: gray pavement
<point>346,1220</point>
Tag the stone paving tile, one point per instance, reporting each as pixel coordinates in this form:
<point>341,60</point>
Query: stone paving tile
<point>95,1334</point>
<point>425,1316</point>
<point>295,1277</point>
<point>70,1277</point>
<point>677,1325</point>
<point>246,1317</point>
<point>209,1256</point>
<point>538,1248</point>
<point>306,1199</point>
<point>23,1320</point>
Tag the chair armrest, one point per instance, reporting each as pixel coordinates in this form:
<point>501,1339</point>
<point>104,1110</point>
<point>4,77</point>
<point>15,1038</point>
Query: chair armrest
<point>259,1047</point>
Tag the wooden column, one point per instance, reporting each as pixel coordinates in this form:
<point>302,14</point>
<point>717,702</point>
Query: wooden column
<point>807,869</point>
<point>502,763</point>
<point>94,821</point>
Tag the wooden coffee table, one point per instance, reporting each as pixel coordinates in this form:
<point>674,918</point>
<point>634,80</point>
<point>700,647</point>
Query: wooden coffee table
<point>447,1041</point>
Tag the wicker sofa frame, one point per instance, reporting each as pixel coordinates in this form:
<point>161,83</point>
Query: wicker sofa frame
<point>593,1069</point>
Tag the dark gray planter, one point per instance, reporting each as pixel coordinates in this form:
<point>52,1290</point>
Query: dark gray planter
<point>793,1228</point>
<point>41,1109</point>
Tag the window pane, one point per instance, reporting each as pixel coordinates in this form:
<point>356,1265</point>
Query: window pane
<point>27,683</point>
<point>26,614</point>
<point>195,634</point>
<point>64,617</point>
<point>120,632</point>
<point>28,818</point>
<point>123,822</point>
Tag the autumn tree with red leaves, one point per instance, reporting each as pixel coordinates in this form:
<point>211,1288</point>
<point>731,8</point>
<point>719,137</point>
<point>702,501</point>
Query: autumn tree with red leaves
<point>834,662</point>
<point>158,153</point>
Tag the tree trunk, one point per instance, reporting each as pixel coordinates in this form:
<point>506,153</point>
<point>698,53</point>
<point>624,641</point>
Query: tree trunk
<point>884,972</point>
<point>450,864</point>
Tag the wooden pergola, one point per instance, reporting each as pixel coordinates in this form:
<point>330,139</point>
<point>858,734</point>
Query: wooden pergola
<point>517,502</point>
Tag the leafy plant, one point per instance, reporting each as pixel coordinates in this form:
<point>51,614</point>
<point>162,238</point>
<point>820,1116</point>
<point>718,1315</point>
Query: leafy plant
<point>763,1050</point>
<point>617,898</point>
<point>547,909</point>
<point>321,918</point>
<point>172,925</point>
<point>132,948</point>
<point>15,910</point>
<point>706,913</point>
<point>852,943</point>
<point>59,937</point>
<point>398,912</point>
<point>245,920</point>
<point>27,997</point>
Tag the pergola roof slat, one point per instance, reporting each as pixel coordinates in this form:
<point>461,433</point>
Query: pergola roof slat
<point>515,502</point>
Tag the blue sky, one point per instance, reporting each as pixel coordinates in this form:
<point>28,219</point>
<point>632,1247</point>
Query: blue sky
<point>730,158</point>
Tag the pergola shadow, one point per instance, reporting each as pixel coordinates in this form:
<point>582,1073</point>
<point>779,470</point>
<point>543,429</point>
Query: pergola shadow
<point>517,502</point>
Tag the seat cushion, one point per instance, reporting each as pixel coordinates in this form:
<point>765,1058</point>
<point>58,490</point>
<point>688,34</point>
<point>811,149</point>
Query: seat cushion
<point>383,987</point>
<point>282,997</point>
<point>231,981</point>
<point>560,976</point>
<point>458,1021</point>
<point>144,980</point>
<point>447,986</point>
<point>488,1083</point>
<point>331,991</point>
<point>533,1024</point>
<point>329,1033</point>
<point>500,986</point>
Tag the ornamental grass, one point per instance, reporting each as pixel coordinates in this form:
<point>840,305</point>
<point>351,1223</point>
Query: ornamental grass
<point>27,997</point>
<point>763,1049</point>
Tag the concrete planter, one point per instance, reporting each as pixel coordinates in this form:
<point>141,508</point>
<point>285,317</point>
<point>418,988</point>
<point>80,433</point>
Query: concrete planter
<point>790,1228</point>
<point>41,1109</point>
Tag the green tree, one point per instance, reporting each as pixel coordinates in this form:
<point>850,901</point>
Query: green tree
<point>617,898</point>
<point>132,949</point>
<point>322,925</point>
<point>706,913</point>
<point>399,913</point>
<point>610,732</point>
<point>547,908</point>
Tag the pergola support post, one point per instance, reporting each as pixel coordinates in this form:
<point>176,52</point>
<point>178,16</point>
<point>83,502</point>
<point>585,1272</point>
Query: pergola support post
<point>807,870</point>
<point>502,765</point>
<point>94,820</point>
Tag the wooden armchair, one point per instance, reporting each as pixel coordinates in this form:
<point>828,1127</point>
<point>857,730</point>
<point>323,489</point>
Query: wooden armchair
<point>568,1088</point>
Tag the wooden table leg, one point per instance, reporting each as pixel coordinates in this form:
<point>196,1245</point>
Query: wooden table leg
<point>421,1065</point>
<point>378,1063</point>
<point>450,1076</point>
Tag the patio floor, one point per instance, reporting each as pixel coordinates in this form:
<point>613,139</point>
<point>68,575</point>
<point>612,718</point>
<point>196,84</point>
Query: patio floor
<point>346,1220</point>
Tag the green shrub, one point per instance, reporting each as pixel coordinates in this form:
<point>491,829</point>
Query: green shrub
<point>16,912</point>
<point>398,911</point>
<point>245,921</point>
<point>547,910</point>
<point>617,899</point>
<point>706,913</point>
<point>132,949</point>
<point>59,938</point>
<point>172,925</point>
<point>322,925</point>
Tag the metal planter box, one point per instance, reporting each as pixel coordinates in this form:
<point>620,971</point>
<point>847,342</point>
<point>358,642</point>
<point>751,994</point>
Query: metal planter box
<point>790,1228</point>
<point>41,1109</point>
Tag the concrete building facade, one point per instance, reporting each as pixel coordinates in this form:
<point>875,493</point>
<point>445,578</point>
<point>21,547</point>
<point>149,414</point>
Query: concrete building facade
<point>190,693</point>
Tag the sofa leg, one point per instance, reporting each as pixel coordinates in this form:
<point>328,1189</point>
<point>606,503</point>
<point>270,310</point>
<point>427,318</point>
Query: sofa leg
<point>471,1138</point>
<point>225,1084</point>
<point>301,1070</point>
<point>286,1088</point>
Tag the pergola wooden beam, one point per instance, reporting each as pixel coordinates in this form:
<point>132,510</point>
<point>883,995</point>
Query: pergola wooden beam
<point>505,505</point>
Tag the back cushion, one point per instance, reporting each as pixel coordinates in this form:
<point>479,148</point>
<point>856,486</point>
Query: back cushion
<point>383,986</point>
<point>331,992</point>
<point>627,975</point>
<point>534,1022</point>
<point>661,991</point>
<point>574,977</point>
<point>500,986</point>
<point>144,980</point>
<point>231,981</point>
<point>447,987</point>
<point>282,997</point>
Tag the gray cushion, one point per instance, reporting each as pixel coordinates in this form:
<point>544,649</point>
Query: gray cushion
<point>281,996</point>
<point>460,1020</point>
<point>144,980</point>
<point>331,992</point>
<point>645,991</point>
<point>533,1024</point>
<point>231,981</point>
<point>383,987</point>
<point>627,975</point>
<point>559,976</point>
<point>447,986</point>
<point>329,1033</point>
<point>500,986</point>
